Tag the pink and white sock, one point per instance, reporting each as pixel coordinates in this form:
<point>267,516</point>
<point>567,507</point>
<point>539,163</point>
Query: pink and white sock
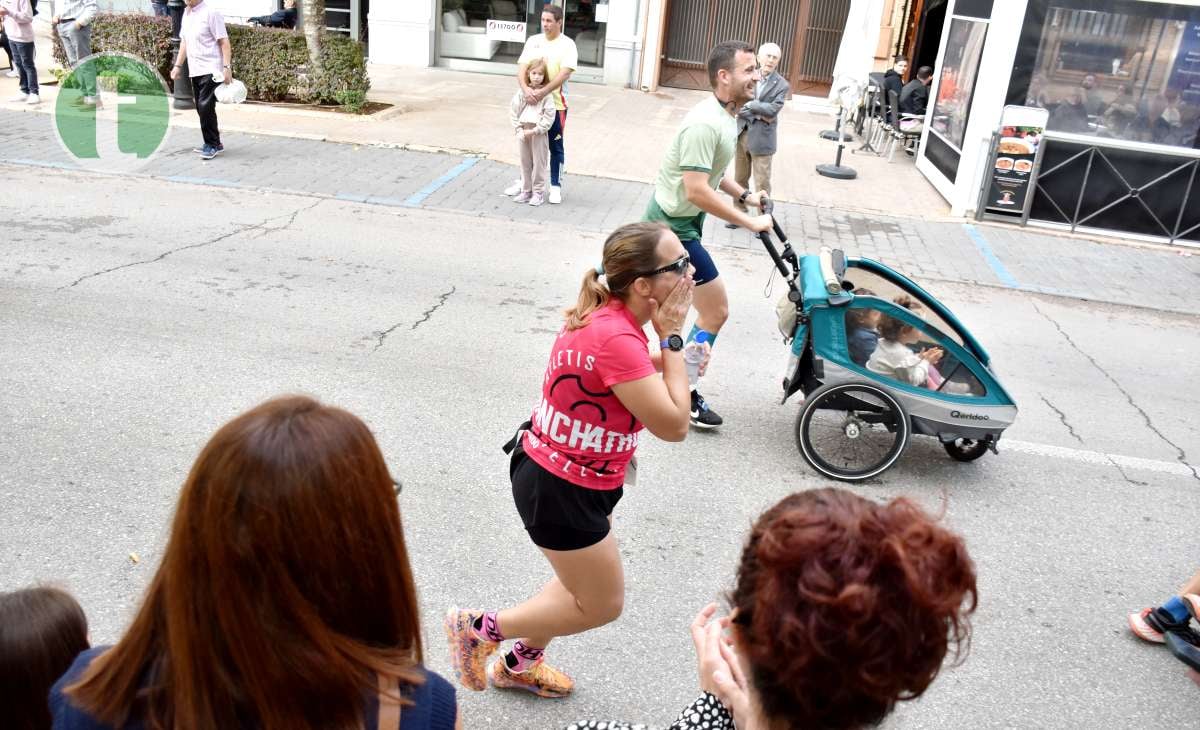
<point>522,657</point>
<point>487,627</point>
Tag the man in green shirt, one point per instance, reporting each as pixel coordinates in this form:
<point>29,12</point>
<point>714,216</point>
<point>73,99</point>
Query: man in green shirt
<point>687,183</point>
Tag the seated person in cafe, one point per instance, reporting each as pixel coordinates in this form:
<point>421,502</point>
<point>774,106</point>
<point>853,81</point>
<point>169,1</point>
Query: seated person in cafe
<point>285,18</point>
<point>1121,112</point>
<point>1072,114</point>
<point>893,80</point>
<point>914,98</point>
<point>894,359</point>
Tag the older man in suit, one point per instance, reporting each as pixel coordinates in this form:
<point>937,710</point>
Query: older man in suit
<point>757,123</point>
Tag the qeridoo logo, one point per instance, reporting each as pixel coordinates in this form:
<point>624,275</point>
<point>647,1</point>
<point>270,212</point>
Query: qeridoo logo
<point>112,112</point>
<point>970,416</point>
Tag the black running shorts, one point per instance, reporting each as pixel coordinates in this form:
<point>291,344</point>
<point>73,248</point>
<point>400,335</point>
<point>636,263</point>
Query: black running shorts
<point>559,515</point>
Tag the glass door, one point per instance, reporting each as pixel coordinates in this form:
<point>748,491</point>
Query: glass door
<point>463,43</point>
<point>584,21</point>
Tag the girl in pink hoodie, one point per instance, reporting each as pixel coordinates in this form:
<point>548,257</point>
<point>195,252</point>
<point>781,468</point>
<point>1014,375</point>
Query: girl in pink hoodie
<point>17,16</point>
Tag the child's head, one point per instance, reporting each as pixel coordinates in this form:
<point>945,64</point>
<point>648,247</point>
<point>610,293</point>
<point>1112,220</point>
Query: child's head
<point>897,330</point>
<point>863,318</point>
<point>42,630</point>
<point>535,73</point>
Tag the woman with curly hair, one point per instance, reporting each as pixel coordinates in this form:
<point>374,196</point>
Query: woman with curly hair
<point>842,608</point>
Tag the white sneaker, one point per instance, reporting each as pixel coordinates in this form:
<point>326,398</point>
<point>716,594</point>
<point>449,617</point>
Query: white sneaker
<point>18,97</point>
<point>33,99</point>
<point>13,74</point>
<point>514,189</point>
<point>555,194</point>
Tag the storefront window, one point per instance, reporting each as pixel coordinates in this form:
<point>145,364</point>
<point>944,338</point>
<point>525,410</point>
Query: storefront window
<point>1123,70</point>
<point>956,84</point>
<point>463,28</point>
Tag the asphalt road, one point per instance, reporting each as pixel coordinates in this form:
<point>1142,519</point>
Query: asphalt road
<point>136,317</point>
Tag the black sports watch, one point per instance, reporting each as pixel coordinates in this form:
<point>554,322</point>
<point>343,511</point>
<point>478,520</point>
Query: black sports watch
<point>745,194</point>
<point>674,343</point>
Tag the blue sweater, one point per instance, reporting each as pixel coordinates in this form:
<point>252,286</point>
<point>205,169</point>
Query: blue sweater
<point>434,704</point>
<point>861,343</point>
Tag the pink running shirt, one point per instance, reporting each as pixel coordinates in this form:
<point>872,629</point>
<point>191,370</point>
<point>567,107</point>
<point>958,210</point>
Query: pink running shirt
<point>581,431</point>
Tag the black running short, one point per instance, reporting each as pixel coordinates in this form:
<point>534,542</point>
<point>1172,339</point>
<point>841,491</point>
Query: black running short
<point>559,515</point>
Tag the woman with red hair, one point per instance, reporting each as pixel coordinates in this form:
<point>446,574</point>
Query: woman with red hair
<point>842,608</point>
<point>284,600</point>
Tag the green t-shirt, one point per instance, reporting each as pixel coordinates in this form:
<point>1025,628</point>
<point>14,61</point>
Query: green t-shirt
<point>705,143</point>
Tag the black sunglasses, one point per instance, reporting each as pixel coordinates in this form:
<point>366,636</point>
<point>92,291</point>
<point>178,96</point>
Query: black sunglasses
<point>679,265</point>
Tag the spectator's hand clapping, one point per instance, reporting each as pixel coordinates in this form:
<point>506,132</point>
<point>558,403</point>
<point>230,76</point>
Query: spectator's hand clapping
<point>933,354</point>
<point>720,672</point>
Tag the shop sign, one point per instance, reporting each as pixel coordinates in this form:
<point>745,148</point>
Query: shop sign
<point>1015,159</point>
<point>1185,76</point>
<point>505,30</point>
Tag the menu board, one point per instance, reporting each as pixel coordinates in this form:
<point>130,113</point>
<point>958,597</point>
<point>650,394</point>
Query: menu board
<point>1014,161</point>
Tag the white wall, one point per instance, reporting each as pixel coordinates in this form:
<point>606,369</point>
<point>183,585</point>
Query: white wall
<point>991,90</point>
<point>237,11</point>
<point>623,42</point>
<point>655,16</point>
<point>856,53</point>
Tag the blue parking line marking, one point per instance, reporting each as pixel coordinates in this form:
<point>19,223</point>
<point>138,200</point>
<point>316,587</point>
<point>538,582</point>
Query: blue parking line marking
<point>1002,273</point>
<point>419,197</point>
<point>352,197</point>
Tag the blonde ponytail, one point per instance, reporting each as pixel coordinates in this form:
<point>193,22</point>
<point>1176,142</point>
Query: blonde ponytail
<point>628,251</point>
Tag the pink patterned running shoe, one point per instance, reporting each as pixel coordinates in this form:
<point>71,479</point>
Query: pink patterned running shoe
<point>468,653</point>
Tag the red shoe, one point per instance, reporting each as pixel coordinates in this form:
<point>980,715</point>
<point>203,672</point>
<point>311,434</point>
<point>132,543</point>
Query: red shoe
<point>468,653</point>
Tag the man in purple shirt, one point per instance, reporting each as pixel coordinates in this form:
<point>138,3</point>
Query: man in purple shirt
<point>204,44</point>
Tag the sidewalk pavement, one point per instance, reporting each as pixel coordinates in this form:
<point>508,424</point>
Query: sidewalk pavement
<point>1156,277</point>
<point>611,132</point>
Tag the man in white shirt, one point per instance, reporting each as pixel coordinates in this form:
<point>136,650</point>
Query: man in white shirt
<point>562,58</point>
<point>204,43</point>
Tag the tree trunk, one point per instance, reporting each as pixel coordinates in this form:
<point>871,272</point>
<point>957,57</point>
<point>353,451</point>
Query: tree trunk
<point>314,25</point>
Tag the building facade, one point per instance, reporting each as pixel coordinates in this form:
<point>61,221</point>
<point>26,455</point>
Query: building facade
<point>452,34</point>
<point>1119,81</point>
<point>640,43</point>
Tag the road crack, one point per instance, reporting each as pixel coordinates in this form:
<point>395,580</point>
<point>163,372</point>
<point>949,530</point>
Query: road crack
<point>381,336</point>
<point>1062,417</point>
<point>262,226</point>
<point>1180,454</point>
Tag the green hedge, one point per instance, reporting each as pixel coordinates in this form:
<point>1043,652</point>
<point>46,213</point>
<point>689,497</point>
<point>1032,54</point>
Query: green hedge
<point>270,61</point>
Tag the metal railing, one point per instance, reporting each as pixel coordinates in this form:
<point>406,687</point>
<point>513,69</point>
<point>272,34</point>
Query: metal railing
<point>1098,157</point>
